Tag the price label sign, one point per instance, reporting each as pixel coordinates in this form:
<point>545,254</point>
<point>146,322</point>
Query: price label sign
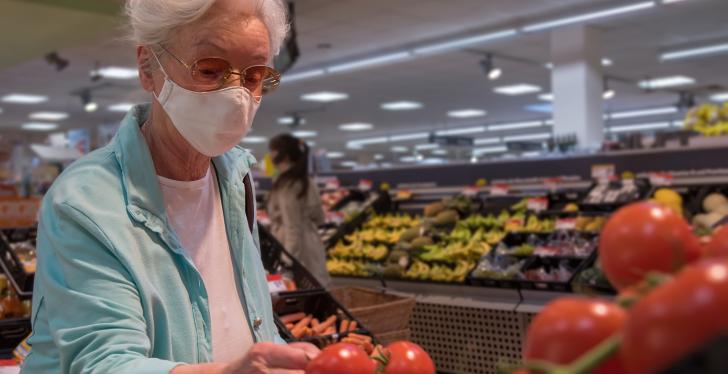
<point>661,179</point>
<point>552,183</point>
<point>603,171</point>
<point>565,224</point>
<point>276,283</point>
<point>537,204</point>
<point>470,191</point>
<point>500,189</point>
<point>365,185</point>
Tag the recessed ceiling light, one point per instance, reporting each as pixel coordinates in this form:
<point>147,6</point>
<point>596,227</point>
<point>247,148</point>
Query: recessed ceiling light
<point>517,89</point>
<point>540,108</point>
<point>639,127</point>
<point>466,113</point>
<point>408,159</point>
<point>440,152</point>
<point>120,107</point>
<point>335,155</point>
<point>287,120</point>
<point>48,116</point>
<point>484,141</point>
<point>709,50</point>
<point>664,82</point>
<point>514,126</point>
<point>254,139</point>
<point>356,126</point>
<point>401,105</point>
<point>91,106</point>
<point>462,131</point>
<point>422,147</point>
<point>311,143</point>
<point>719,97</point>
<point>527,137</point>
<point>324,96</point>
<point>433,161</point>
<point>412,136</point>
<point>588,16</point>
<point>379,156</point>
<point>18,98</point>
<point>399,149</point>
<point>354,146</point>
<point>607,62</point>
<point>643,112</point>
<point>546,97</point>
<point>305,133</point>
<point>549,65</point>
<point>348,164</point>
<point>118,72</point>
<point>498,149</point>
<point>39,126</point>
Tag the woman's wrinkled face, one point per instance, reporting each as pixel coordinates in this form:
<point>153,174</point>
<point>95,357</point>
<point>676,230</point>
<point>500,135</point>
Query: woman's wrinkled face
<point>225,32</point>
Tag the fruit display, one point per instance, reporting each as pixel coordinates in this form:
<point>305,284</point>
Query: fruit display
<point>708,119</point>
<point>498,268</point>
<point>420,270</point>
<point>673,301</point>
<point>616,192</point>
<point>558,244</point>
<point>669,198</point>
<point>330,198</point>
<point>354,268</point>
<point>10,305</point>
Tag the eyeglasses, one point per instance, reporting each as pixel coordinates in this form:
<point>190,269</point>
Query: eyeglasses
<point>213,73</point>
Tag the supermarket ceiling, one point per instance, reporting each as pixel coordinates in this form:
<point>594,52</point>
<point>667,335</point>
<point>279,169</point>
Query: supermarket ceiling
<point>339,37</point>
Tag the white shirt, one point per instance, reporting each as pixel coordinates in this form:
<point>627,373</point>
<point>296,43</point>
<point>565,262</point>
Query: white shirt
<point>195,212</point>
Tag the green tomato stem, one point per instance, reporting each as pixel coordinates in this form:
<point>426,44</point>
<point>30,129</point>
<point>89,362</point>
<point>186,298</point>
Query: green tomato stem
<point>595,357</point>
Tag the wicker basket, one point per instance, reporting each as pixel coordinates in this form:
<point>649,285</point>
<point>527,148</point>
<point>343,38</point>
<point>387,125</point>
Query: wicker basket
<point>393,336</point>
<point>379,312</point>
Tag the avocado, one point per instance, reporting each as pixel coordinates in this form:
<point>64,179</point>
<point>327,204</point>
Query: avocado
<point>431,210</point>
<point>448,217</point>
<point>421,242</point>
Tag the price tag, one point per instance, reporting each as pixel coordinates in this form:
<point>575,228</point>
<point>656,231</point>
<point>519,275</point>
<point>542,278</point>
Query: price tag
<point>500,189</point>
<point>552,183</point>
<point>365,185</point>
<point>537,204</point>
<point>565,224</point>
<point>333,184</point>
<point>404,194</point>
<point>276,283</point>
<point>661,179</point>
<point>603,171</point>
<point>470,191</point>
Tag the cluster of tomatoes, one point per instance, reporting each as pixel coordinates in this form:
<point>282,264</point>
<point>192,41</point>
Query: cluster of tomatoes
<point>673,299</point>
<point>396,358</point>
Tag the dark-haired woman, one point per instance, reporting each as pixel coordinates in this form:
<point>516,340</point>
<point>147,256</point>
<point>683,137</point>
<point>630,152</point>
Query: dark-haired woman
<point>294,206</point>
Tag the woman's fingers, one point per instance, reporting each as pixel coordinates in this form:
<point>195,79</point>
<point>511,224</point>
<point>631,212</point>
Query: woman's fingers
<point>311,350</point>
<point>277,356</point>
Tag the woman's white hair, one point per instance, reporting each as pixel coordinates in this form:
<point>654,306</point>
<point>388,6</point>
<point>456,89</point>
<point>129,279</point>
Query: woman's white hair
<point>153,21</point>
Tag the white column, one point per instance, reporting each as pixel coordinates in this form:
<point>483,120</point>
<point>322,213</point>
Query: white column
<point>577,84</point>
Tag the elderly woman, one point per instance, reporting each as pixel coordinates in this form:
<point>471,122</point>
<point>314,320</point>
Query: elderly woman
<point>148,258</point>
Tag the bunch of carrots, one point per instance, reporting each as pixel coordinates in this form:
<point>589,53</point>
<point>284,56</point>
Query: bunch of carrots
<point>302,325</point>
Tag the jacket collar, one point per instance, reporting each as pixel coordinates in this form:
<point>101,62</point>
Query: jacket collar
<point>139,178</point>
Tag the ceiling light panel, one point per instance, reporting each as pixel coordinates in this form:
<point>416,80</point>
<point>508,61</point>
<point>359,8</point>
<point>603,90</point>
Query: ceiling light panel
<point>118,72</point>
<point>48,116</point>
<point>527,137</point>
<point>517,89</point>
<point>324,96</point>
<point>464,42</point>
<point>335,155</point>
<point>643,112</point>
<point>19,98</point>
<point>120,107</point>
<point>369,62</point>
<point>719,97</point>
<point>515,126</point>
<point>305,133</point>
<point>709,50</point>
<point>399,149</point>
<point>487,150</point>
<point>666,82</point>
<point>254,140</point>
<point>39,126</point>
<point>639,127</point>
<point>356,126</point>
<point>486,141</point>
<point>424,147</point>
<point>401,105</point>
<point>466,113</point>
<point>293,77</point>
<point>462,131</point>
<point>580,18</point>
<point>408,137</point>
<point>546,97</point>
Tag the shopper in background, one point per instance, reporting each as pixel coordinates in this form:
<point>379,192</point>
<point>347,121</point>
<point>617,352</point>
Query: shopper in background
<point>294,206</point>
<point>148,258</point>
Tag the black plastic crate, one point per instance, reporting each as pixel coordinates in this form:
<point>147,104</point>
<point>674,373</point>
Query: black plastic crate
<point>514,283</point>
<point>320,305</point>
<point>11,265</point>
<point>276,260</point>
<point>551,263</point>
<point>12,332</point>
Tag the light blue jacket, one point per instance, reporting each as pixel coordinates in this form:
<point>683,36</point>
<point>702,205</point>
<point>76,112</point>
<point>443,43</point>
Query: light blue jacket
<point>115,291</point>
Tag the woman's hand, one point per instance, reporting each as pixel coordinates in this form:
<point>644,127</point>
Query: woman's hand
<point>270,358</point>
<point>262,358</point>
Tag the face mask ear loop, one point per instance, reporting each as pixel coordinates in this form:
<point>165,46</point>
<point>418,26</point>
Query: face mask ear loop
<point>161,67</point>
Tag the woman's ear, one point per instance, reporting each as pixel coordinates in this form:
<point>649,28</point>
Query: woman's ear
<point>146,62</point>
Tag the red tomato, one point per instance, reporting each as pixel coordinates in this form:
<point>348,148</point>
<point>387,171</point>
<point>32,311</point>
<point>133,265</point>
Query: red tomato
<point>717,246</point>
<point>645,237</point>
<point>677,318</point>
<point>569,327</point>
<point>408,358</point>
<point>341,358</point>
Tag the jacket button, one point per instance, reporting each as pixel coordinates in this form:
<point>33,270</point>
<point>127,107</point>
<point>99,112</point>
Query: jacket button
<point>257,322</point>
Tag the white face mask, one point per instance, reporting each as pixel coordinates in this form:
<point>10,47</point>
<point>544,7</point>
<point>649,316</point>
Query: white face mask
<point>213,122</point>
